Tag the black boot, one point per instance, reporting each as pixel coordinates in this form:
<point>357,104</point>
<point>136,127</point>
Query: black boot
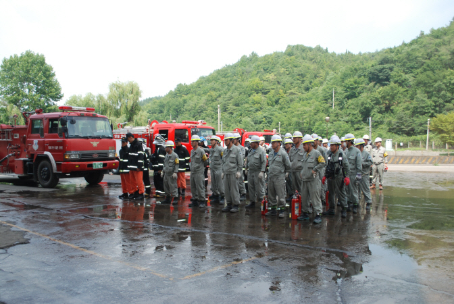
<point>242,197</point>
<point>250,206</point>
<point>221,200</point>
<point>344,213</point>
<point>183,192</point>
<point>272,212</point>
<point>194,203</point>
<point>329,212</point>
<point>202,204</point>
<point>368,206</point>
<point>166,201</point>
<point>349,208</point>
<point>355,208</point>
<point>317,219</point>
<point>227,208</point>
<point>139,197</point>
<point>214,198</point>
<point>124,195</point>
<point>234,209</point>
<point>303,217</point>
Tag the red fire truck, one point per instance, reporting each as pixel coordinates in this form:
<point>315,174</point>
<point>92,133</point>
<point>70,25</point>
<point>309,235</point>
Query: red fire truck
<point>75,142</point>
<point>170,131</point>
<point>248,134</point>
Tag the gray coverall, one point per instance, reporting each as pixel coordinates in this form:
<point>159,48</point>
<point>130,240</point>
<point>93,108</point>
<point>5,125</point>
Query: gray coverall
<point>296,155</point>
<point>171,165</point>
<point>217,186</point>
<point>379,157</point>
<point>321,174</point>
<point>364,182</point>
<point>279,164</point>
<point>198,163</point>
<point>241,185</point>
<point>355,167</point>
<point>232,162</point>
<point>256,163</point>
<point>336,185</point>
<point>310,186</point>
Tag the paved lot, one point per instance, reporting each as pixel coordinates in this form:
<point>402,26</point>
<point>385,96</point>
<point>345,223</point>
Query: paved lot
<point>81,244</point>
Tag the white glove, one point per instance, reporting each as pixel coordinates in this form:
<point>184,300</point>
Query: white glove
<point>238,174</point>
<point>245,171</point>
<point>261,175</point>
<point>222,176</point>
<point>162,173</point>
<point>286,175</point>
<point>174,176</point>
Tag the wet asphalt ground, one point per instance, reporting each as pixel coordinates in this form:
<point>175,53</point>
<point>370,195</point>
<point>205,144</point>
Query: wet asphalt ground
<point>81,244</point>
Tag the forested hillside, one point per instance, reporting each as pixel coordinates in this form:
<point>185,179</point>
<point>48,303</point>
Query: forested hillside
<point>400,88</point>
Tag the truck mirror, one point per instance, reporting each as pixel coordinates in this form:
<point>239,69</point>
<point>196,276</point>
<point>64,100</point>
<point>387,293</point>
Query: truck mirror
<point>63,121</point>
<point>111,126</point>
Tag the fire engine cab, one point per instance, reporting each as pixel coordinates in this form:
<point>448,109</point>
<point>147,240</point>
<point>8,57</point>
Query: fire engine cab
<point>75,142</point>
<point>248,134</point>
<point>170,131</point>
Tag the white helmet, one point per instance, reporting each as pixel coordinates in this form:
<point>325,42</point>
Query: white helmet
<point>195,138</point>
<point>288,141</point>
<point>229,136</point>
<point>334,140</point>
<point>349,136</point>
<point>288,135</point>
<point>308,139</point>
<point>325,140</point>
<point>170,143</point>
<point>262,138</point>
<point>247,140</point>
<point>297,134</point>
<point>215,137</point>
<point>320,138</point>
<point>236,135</point>
<point>314,136</point>
<point>255,139</point>
<point>276,138</point>
<point>366,137</point>
<point>342,138</point>
<point>378,139</point>
<point>359,141</point>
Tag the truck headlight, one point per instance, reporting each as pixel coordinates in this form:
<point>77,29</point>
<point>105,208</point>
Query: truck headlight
<point>72,155</point>
<point>111,154</point>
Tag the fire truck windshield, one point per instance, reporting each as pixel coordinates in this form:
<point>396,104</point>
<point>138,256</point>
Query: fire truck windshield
<point>88,127</point>
<point>205,132</point>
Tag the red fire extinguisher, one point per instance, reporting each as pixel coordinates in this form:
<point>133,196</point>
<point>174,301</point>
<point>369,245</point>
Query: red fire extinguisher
<point>296,206</point>
<point>264,205</point>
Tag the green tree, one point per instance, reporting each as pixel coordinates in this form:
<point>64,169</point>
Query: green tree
<point>443,125</point>
<point>123,99</point>
<point>28,82</point>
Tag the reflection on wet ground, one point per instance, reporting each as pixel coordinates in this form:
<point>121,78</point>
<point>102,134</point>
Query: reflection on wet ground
<point>403,246</point>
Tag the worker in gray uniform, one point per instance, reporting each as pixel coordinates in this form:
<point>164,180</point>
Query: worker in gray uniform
<point>241,186</point>
<point>288,144</point>
<point>279,168</point>
<point>311,165</point>
<point>355,168</point>
<point>232,169</point>
<point>217,185</point>
<point>336,175</point>
<point>322,151</point>
<point>366,164</point>
<point>255,171</point>
<point>170,173</point>
<point>198,163</point>
<point>380,158</point>
<point>296,155</point>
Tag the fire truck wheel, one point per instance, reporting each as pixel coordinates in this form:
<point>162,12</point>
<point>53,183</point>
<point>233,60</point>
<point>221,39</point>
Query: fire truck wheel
<point>94,178</point>
<point>47,178</point>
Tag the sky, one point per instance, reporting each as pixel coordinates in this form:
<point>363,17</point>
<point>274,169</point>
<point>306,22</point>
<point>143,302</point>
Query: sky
<point>159,44</point>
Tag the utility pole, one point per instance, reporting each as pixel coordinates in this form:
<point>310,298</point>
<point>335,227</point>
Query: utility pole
<point>427,142</point>
<point>333,98</point>
<point>370,128</point>
<point>219,118</point>
<point>279,127</point>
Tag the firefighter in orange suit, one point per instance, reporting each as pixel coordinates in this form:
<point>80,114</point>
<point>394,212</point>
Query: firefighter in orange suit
<point>135,166</point>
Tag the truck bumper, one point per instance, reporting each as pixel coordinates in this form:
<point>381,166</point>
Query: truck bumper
<point>68,167</point>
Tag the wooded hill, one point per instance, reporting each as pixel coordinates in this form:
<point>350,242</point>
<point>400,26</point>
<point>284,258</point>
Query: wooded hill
<point>399,87</point>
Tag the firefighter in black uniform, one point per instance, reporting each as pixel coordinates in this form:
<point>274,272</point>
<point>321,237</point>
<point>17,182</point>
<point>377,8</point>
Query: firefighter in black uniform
<point>158,164</point>
<point>124,170</point>
<point>146,167</point>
